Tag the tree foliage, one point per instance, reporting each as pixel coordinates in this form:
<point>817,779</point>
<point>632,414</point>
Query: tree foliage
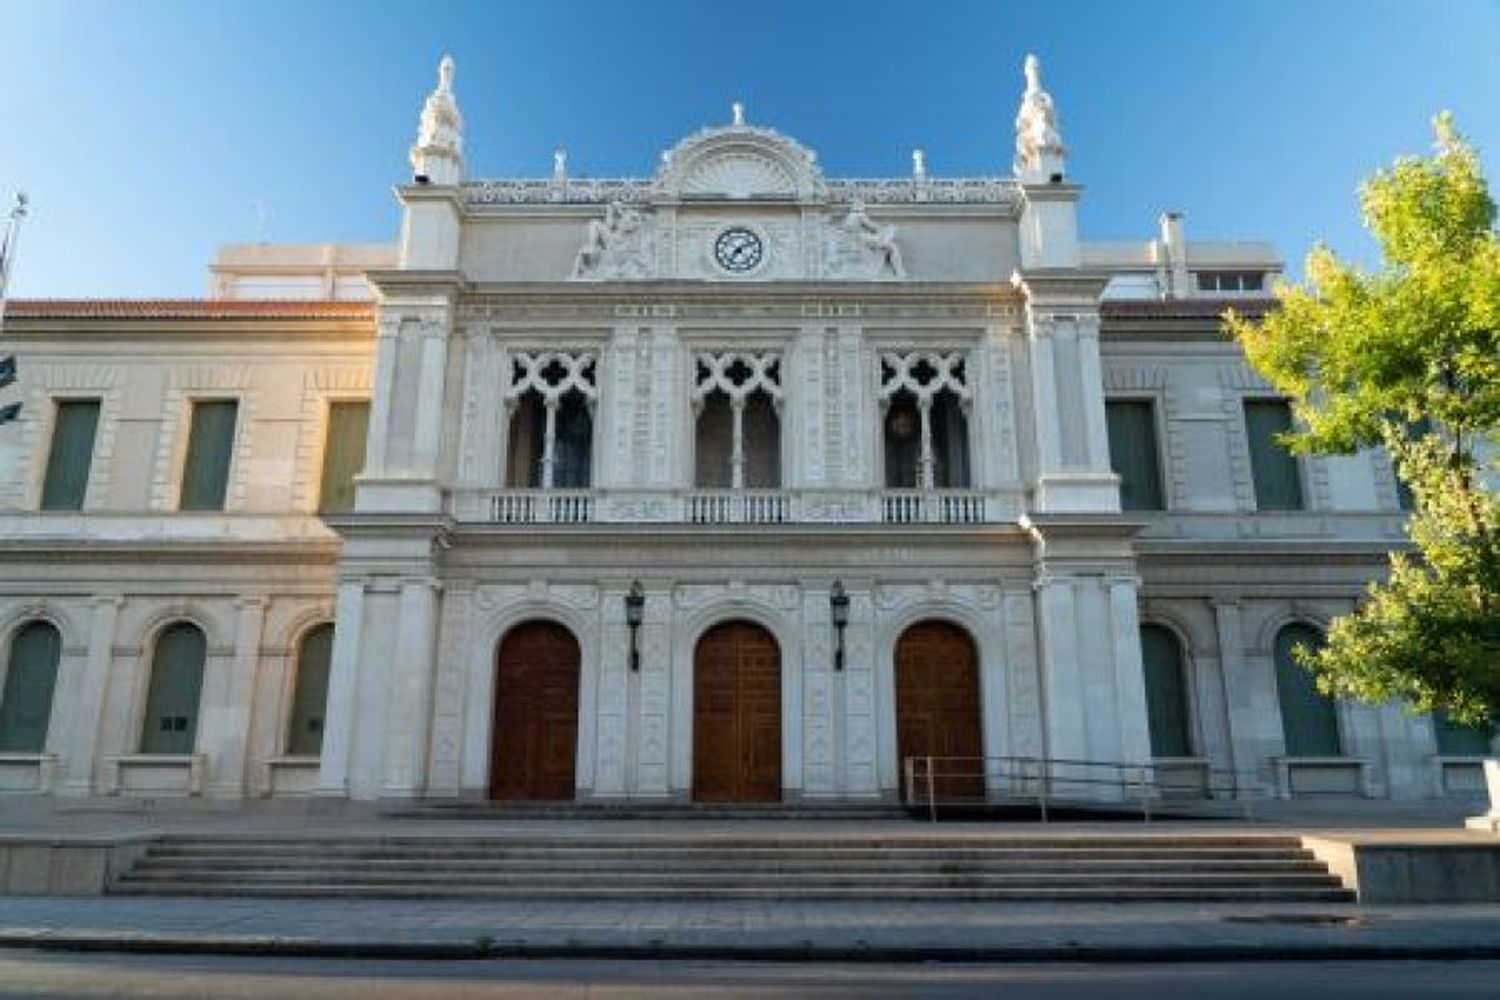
<point>1408,356</point>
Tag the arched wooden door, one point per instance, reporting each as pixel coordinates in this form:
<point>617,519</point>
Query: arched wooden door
<point>937,708</point>
<point>535,744</point>
<point>737,715</point>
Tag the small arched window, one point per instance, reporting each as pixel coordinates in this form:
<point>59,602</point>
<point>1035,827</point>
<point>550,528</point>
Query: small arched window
<point>1309,718</point>
<point>304,736</point>
<point>1166,693</point>
<point>30,679</point>
<point>171,722</point>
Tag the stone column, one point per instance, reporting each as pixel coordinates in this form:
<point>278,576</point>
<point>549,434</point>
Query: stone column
<point>343,686</point>
<point>224,729</point>
<point>1067,390</point>
<point>410,683</point>
<point>87,691</point>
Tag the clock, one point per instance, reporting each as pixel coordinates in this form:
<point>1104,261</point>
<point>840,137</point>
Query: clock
<point>738,250</point>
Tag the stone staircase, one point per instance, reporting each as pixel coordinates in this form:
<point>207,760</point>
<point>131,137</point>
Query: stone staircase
<point>677,865</point>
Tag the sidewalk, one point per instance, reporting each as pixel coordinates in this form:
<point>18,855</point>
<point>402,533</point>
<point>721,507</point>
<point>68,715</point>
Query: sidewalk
<point>749,930</point>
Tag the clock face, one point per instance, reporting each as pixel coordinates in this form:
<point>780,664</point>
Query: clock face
<point>738,250</point>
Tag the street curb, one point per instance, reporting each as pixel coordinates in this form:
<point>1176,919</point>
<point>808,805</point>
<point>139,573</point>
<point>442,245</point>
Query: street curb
<point>479,949</point>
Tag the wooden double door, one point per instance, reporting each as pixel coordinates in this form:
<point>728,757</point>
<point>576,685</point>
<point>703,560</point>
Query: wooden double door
<point>535,745</point>
<point>737,715</point>
<point>937,709</point>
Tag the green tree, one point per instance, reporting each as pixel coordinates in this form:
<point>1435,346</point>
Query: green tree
<point>1408,356</point>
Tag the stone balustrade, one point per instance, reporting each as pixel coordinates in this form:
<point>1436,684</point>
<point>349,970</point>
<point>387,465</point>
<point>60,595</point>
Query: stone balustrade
<point>723,506</point>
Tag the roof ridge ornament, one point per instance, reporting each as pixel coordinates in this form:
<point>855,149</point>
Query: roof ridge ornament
<point>737,114</point>
<point>1040,154</point>
<point>438,155</point>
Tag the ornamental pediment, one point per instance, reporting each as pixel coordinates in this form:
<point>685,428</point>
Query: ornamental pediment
<point>739,162</point>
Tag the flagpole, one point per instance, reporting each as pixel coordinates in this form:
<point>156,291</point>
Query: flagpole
<point>8,247</point>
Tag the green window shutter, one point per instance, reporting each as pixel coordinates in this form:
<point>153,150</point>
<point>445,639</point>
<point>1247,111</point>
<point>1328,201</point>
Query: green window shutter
<point>71,454</point>
<point>310,696</point>
<point>30,679</point>
<point>1278,486</point>
<point>171,722</point>
<point>1133,454</point>
<point>205,472</point>
<point>1309,718</point>
<point>1455,740</point>
<point>1166,693</point>
<point>343,454</point>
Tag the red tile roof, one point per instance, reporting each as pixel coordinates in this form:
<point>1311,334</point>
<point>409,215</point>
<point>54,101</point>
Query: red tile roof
<point>1183,308</point>
<point>186,309</point>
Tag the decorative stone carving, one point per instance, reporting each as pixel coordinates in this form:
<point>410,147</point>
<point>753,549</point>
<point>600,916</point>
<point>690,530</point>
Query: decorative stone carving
<point>439,150</point>
<point>738,375</point>
<point>855,246</point>
<point>622,246</point>
<point>924,374</point>
<point>1040,154</point>
<point>551,374</point>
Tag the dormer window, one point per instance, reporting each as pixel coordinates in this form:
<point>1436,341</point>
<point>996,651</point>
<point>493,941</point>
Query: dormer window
<point>1231,281</point>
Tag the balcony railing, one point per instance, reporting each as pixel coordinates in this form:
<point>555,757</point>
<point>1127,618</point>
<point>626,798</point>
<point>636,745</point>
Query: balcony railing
<point>529,506</point>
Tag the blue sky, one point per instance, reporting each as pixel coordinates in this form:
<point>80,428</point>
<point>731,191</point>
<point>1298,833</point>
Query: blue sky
<point>147,132</point>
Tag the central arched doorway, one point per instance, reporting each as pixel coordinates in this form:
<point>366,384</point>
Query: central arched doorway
<point>937,708</point>
<point>535,744</point>
<point>737,715</point>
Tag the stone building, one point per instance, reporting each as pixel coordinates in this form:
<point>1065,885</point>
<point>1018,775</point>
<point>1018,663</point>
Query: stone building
<point>735,482</point>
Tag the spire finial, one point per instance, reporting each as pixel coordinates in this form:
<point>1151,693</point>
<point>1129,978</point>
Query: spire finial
<point>1040,154</point>
<point>737,111</point>
<point>438,153</point>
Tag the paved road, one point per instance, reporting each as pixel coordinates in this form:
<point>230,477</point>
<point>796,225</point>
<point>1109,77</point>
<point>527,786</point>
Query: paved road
<point>82,976</point>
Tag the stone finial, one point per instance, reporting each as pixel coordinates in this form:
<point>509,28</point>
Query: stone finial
<point>919,164</point>
<point>438,154</point>
<point>737,111</point>
<point>1040,154</point>
<point>559,165</point>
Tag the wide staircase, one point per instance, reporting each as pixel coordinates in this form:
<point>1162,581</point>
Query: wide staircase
<point>1059,867</point>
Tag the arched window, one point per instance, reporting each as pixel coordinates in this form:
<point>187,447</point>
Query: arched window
<point>30,678</point>
<point>304,737</point>
<point>737,438</point>
<point>925,397</point>
<point>1309,718</point>
<point>171,721</point>
<point>1166,693</point>
<point>551,405</point>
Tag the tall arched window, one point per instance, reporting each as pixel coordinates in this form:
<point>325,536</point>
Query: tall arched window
<point>737,440</point>
<point>30,679</point>
<point>551,405</point>
<point>304,737</point>
<point>171,721</point>
<point>926,398</point>
<point>1166,693</point>
<point>1309,718</point>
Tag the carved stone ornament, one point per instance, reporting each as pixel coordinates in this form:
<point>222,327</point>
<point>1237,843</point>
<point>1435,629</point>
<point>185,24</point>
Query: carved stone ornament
<point>855,246</point>
<point>1039,146</point>
<point>620,246</point>
<point>438,152</point>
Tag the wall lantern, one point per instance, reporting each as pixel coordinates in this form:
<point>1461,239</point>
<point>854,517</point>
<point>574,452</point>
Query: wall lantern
<point>635,613</point>
<point>838,605</point>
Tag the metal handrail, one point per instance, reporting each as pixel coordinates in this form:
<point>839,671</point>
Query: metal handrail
<point>1037,778</point>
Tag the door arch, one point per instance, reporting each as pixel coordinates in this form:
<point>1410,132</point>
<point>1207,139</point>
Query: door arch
<point>534,747</point>
<point>737,715</point>
<point>938,708</point>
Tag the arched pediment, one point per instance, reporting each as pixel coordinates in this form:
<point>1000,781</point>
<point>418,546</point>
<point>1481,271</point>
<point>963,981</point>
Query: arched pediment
<point>740,162</point>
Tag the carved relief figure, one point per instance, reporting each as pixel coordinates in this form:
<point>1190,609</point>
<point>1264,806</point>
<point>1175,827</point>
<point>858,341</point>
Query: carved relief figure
<point>617,247</point>
<point>858,246</point>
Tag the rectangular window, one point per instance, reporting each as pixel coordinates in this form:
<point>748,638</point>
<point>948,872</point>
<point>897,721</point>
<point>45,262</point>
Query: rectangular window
<point>1133,453</point>
<point>71,455</point>
<point>1231,281</point>
<point>1278,482</point>
<point>205,472</point>
<point>343,454</point>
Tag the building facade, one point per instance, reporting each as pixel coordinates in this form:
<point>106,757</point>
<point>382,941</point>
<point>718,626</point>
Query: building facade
<point>733,483</point>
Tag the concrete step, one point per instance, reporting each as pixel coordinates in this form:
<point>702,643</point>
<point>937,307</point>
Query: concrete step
<point>739,866</point>
<point>728,864</point>
<point>603,892</point>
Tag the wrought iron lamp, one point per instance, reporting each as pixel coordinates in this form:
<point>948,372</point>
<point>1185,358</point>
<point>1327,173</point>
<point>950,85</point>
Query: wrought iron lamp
<point>838,606</point>
<point>635,613</point>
